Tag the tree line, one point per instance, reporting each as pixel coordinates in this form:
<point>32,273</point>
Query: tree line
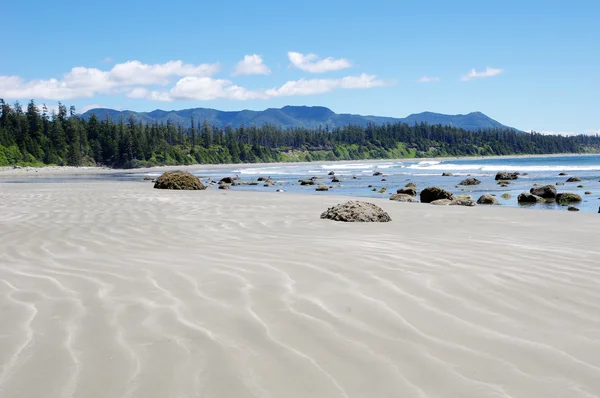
<point>37,137</point>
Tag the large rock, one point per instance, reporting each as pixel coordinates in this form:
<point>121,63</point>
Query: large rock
<point>307,182</point>
<point>407,191</point>
<point>573,179</point>
<point>356,211</point>
<point>441,202</point>
<point>463,202</point>
<point>567,197</point>
<point>227,180</point>
<point>402,197</point>
<point>447,174</point>
<point>546,192</point>
<point>179,180</point>
<point>470,181</point>
<point>505,175</point>
<point>322,188</point>
<point>487,199</point>
<point>527,197</point>
<point>430,194</point>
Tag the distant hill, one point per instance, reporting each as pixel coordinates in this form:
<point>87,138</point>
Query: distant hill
<point>295,117</point>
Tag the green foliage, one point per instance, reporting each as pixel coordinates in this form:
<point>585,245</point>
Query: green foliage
<point>34,138</point>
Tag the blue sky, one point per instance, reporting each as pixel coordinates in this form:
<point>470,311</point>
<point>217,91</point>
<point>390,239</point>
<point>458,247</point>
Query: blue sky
<point>528,64</point>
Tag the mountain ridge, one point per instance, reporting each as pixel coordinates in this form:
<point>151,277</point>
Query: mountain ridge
<point>289,116</point>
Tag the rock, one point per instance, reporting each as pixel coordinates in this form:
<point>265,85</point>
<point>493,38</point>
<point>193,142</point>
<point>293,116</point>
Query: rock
<point>224,186</point>
<point>179,180</point>
<point>377,173</point>
<point>354,178</point>
<point>331,173</point>
<point>524,174</point>
<point>587,193</point>
<point>546,192</point>
<point>573,179</point>
<point>374,189</point>
<point>402,197</point>
<point>447,175</point>
<point>563,174</point>
<point>322,188</point>
<point>441,202</point>
<point>369,186</point>
<point>148,178</point>
<point>382,190</point>
<point>505,175</point>
<point>407,191</point>
<point>579,186</point>
<point>430,194</point>
<point>506,196</point>
<point>411,185</point>
<point>572,208</point>
<point>527,197</point>
<point>384,179</point>
<point>356,211</point>
<point>560,183</point>
<point>227,180</point>
<point>270,183</point>
<point>487,199</point>
<point>253,183</point>
<point>335,179</point>
<point>279,190</point>
<point>260,179</point>
<point>470,181</point>
<point>463,202</point>
<point>307,182</point>
<point>567,197</point>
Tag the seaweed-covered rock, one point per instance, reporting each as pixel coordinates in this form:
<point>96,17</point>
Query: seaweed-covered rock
<point>356,211</point>
<point>470,181</point>
<point>505,175</point>
<point>178,180</point>
<point>430,194</point>
<point>487,199</point>
<point>527,197</point>
<point>407,191</point>
<point>567,197</point>
<point>572,208</point>
<point>402,197</point>
<point>546,192</point>
<point>573,179</point>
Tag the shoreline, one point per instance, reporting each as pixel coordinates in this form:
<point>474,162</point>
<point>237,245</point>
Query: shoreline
<point>49,171</point>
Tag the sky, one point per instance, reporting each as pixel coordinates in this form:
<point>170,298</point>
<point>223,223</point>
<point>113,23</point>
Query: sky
<point>533,65</point>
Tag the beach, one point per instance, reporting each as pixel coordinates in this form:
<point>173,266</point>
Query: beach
<point>116,289</point>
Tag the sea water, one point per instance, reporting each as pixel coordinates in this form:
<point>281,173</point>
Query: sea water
<point>425,173</point>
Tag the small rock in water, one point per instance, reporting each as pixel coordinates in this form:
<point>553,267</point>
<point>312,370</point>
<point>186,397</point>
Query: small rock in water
<point>573,179</point>
<point>487,199</point>
<point>470,181</point>
<point>562,174</point>
<point>504,175</point>
<point>572,208</point>
<point>527,197</point>
<point>447,175</point>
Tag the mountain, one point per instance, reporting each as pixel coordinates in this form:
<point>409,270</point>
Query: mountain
<point>310,117</point>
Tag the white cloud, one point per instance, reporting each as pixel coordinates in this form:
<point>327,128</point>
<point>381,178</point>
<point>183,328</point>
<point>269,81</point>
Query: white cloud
<point>251,65</point>
<point>198,89</point>
<point>429,79</point>
<point>86,108</point>
<point>320,86</point>
<point>82,82</point>
<point>311,63</point>
<point>488,72</point>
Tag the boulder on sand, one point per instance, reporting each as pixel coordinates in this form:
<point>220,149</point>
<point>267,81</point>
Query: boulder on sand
<point>527,197</point>
<point>567,197</point>
<point>572,208</point>
<point>407,191</point>
<point>546,192</point>
<point>487,199</point>
<point>224,186</point>
<point>470,181</point>
<point>441,202</point>
<point>179,180</point>
<point>402,197</point>
<point>430,194</point>
<point>505,175</point>
<point>463,202</point>
<point>356,211</point>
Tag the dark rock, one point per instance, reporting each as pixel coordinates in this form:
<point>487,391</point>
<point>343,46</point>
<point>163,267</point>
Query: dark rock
<point>224,186</point>
<point>227,180</point>
<point>546,192</point>
<point>354,178</point>
<point>335,179</point>
<point>487,199</point>
<point>505,175</point>
<point>356,211</point>
<point>573,179</point>
<point>253,183</point>
<point>331,173</point>
<point>563,174</point>
<point>307,182</point>
<point>572,208</point>
<point>383,179</point>
<point>263,179</point>
<point>430,194</point>
<point>587,193</point>
<point>401,197</point>
<point>524,174</point>
<point>470,181</point>
<point>527,197</point>
<point>407,191</point>
<point>447,175</point>
<point>567,197</point>
<point>179,180</point>
<point>377,173</point>
<point>369,186</point>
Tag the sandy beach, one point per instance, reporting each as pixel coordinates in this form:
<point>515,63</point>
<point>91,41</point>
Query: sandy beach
<point>115,289</point>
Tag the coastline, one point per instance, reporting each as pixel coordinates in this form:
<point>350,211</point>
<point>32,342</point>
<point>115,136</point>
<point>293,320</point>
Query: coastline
<point>50,171</point>
<point>134,291</point>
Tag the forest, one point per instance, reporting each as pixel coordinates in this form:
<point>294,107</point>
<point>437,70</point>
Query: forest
<point>35,137</point>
